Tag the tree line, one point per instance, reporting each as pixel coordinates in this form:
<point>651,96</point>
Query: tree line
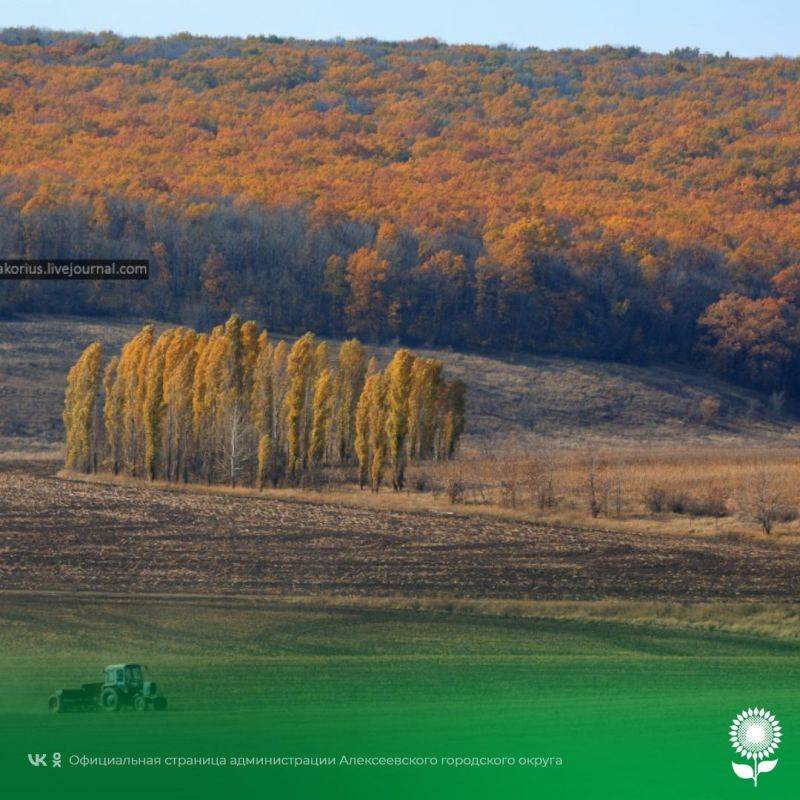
<point>235,407</point>
<point>534,286</point>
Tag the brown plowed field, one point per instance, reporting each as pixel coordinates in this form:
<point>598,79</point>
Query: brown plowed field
<point>66,535</point>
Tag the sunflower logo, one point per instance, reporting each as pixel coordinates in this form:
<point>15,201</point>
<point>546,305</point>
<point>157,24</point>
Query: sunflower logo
<point>755,734</point>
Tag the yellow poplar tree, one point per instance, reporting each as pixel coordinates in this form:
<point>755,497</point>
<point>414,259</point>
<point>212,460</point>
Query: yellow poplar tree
<point>250,350</point>
<point>83,384</point>
<point>205,392</point>
<point>454,418</point>
<point>220,399</point>
<point>142,365</point>
<point>321,357</point>
<point>377,429</point>
<point>423,411</point>
<point>179,370</point>
<point>112,413</point>
<point>299,366</point>
<point>235,353</point>
<point>153,404</point>
<point>264,459</point>
<point>361,440</point>
<point>132,369</point>
<point>199,396</point>
<point>280,383</point>
<point>322,412</point>
<point>349,385</point>
<point>398,388</point>
<point>262,393</point>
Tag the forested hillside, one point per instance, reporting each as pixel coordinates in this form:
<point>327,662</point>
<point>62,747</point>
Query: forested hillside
<point>606,202</point>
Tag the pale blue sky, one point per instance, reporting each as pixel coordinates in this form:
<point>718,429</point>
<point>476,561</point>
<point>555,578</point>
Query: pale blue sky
<point>743,27</point>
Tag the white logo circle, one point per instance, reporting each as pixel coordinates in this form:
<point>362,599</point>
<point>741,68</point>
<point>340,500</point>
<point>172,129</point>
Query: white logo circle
<point>755,734</point>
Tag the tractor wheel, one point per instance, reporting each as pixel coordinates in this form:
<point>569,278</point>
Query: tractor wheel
<point>160,704</point>
<point>109,700</point>
<point>54,704</point>
<point>140,703</point>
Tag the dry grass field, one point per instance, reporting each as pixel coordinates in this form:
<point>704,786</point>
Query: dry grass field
<point>682,489</point>
<point>514,401</point>
<point>553,440</point>
<point>35,356</point>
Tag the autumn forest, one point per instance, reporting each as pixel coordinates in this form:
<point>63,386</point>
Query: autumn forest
<point>606,203</point>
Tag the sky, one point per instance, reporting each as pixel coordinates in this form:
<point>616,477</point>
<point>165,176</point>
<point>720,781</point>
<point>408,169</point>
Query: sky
<point>741,27</point>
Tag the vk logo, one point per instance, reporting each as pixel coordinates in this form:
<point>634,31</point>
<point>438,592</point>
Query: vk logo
<point>38,759</point>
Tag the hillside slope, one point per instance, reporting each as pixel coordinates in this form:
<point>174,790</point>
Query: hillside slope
<point>592,203</point>
<point>442,134</point>
<point>514,401</point>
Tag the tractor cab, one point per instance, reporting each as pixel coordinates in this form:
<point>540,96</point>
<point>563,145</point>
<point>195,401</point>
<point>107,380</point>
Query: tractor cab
<point>124,677</point>
<point>125,686</point>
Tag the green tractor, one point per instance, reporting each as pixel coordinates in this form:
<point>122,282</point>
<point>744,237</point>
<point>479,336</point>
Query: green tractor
<point>123,687</point>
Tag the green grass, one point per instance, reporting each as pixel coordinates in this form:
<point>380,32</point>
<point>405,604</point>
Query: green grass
<point>621,704</point>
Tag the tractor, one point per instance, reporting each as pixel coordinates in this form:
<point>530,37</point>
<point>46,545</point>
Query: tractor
<point>122,687</point>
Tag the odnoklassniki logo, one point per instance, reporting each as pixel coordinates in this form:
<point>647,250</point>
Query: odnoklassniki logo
<point>755,734</point>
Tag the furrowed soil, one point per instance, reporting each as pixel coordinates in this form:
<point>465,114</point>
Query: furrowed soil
<point>72,536</point>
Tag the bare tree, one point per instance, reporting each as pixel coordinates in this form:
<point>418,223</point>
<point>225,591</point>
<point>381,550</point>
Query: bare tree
<point>538,481</point>
<point>764,501</point>
<point>236,440</point>
<point>597,486</point>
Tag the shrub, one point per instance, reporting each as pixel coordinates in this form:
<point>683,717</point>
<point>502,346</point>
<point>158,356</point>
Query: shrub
<point>777,403</point>
<point>752,409</point>
<point>545,494</point>
<point>786,514</point>
<point>508,494</point>
<point>658,500</point>
<point>678,502</point>
<point>714,504</point>
<point>455,490</point>
<point>655,499</point>
<point>709,409</point>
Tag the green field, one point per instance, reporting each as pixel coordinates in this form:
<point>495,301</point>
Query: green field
<point>632,710</point>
